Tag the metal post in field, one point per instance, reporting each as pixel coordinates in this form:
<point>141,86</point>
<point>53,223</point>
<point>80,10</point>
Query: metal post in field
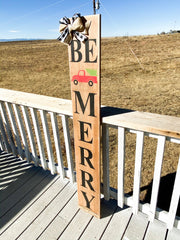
<point>94,7</point>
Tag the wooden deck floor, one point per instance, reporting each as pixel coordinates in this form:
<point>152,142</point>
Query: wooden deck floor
<point>36,205</point>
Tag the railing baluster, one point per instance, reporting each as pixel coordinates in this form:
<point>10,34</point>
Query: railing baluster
<point>8,129</point>
<point>174,199</point>
<point>30,134</point>
<point>67,141</point>
<point>105,157</point>
<point>137,172</point>
<point>1,143</point>
<point>48,141</point>
<point>38,137</point>
<point>57,144</point>
<point>121,162</point>
<point>7,146</point>
<point>22,131</point>
<point>15,130</point>
<point>157,176</point>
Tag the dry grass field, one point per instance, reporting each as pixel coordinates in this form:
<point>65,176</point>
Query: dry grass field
<point>140,73</point>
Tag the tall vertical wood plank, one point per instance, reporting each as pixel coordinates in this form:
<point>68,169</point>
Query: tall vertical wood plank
<point>84,59</point>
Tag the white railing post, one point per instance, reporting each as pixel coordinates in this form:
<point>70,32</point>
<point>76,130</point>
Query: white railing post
<point>67,141</point>
<point>105,157</point>
<point>1,143</point>
<point>137,171</point>
<point>8,129</point>
<point>121,163</point>
<point>57,144</point>
<point>157,176</point>
<point>38,137</point>
<point>5,140</point>
<point>30,134</point>
<point>22,132</point>
<point>174,199</point>
<point>48,141</point>
<point>15,130</point>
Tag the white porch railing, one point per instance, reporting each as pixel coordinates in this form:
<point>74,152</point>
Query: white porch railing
<point>162,128</point>
<point>36,128</point>
<point>25,124</point>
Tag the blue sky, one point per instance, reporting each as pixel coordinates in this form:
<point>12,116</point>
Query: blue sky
<point>40,18</point>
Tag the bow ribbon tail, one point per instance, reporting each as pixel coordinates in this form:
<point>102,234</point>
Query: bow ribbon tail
<point>65,36</point>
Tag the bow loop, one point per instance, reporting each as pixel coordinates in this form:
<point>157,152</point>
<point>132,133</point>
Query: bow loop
<point>64,20</point>
<point>78,27</point>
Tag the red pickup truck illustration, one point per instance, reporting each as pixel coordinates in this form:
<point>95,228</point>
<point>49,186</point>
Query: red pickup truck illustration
<point>82,77</point>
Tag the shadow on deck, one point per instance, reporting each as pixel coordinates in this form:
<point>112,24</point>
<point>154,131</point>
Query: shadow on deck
<point>20,183</point>
<point>37,205</point>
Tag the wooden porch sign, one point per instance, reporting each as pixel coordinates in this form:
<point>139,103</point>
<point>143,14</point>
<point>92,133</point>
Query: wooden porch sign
<point>84,62</point>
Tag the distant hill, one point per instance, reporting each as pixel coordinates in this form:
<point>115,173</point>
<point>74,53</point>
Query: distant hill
<point>20,39</point>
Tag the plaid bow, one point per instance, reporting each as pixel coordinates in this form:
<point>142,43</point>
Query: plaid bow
<point>78,27</point>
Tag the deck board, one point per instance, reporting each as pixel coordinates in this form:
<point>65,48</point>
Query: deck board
<point>27,217</point>
<point>10,169</point>
<point>174,234</point>
<point>13,187</point>
<point>156,230</point>
<point>136,227</point>
<point>96,228</point>
<point>25,203</point>
<point>48,213</point>
<point>76,226</point>
<point>38,205</point>
<point>118,224</point>
<point>62,220</point>
<point>20,193</point>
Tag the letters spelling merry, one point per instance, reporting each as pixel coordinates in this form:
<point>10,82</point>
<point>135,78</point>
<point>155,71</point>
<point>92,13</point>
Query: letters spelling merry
<point>86,155</point>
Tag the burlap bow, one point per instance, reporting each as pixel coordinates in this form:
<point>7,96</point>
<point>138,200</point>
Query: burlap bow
<point>77,27</point>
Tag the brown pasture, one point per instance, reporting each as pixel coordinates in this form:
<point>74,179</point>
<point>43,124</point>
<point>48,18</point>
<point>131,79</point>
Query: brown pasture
<point>140,73</point>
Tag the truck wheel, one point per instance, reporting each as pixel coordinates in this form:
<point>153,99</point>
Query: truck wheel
<point>90,83</point>
<point>76,82</point>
